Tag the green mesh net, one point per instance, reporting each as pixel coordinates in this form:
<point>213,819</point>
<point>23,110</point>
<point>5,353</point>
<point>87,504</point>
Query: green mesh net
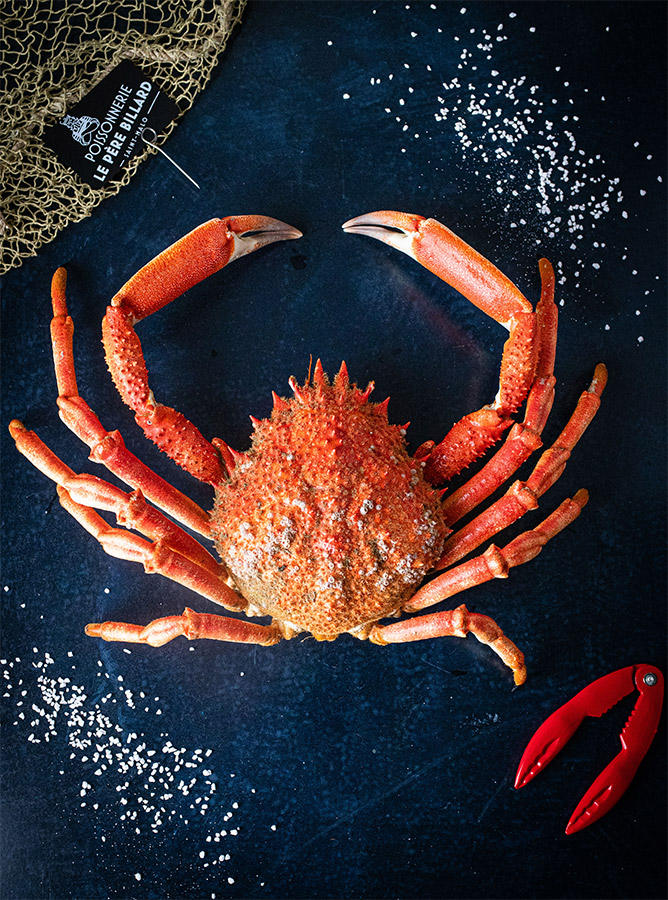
<point>52,52</point>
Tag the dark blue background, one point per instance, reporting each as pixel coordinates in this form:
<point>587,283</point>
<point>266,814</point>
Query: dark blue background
<point>387,772</point>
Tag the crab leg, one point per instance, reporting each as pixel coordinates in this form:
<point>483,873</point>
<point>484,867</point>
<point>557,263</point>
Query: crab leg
<point>171,553</point>
<point>523,495</point>
<point>495,562</point>
<point>156,556</point>
<point>131,510</point>
<point>523,438</point>
<point>107,447</point>
<point>448,256</point>
<point>455,623</point>
<point>191,625</point>
<point>191,259</point>
<point>541,395</point>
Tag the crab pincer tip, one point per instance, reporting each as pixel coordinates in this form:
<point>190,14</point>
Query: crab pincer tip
<point>397,229</point>
<point>370,223</point>
<point>258,231</point>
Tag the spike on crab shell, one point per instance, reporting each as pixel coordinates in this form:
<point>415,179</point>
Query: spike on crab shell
<point>320,380</point>
<point>341,381</point>
<point>381,408</point>
<point>279,403</point>
<point>319,377</point>
<point>255,422</point>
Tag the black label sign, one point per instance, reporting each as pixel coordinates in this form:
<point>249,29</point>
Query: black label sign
<point>104,130</point>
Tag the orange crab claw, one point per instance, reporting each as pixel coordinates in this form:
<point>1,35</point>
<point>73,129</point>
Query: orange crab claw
<point>199,254</point>
<point>196,256</point>
<point>440,250</point>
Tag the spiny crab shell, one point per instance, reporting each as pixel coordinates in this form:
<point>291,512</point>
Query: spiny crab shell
<point>327,523</point>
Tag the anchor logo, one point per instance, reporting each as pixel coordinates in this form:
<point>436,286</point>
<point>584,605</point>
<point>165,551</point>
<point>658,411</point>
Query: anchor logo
<point>82,127</point>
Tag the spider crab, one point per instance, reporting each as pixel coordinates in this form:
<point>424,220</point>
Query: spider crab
<point>327,523</point>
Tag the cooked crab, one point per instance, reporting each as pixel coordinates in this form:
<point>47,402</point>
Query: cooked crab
<point>327,524</point>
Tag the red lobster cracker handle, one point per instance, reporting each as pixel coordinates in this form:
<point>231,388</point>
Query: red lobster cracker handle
<point>636,737</point>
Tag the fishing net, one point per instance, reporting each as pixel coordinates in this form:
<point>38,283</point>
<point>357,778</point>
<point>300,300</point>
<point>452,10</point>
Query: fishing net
<point>52,53</point>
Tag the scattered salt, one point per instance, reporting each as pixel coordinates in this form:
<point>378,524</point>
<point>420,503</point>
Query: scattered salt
<point>87,725</point>
<point>529,145</point>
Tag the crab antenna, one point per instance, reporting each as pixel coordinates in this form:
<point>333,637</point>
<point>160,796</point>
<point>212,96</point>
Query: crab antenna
<point>298,392</point>
<point>364,395</point>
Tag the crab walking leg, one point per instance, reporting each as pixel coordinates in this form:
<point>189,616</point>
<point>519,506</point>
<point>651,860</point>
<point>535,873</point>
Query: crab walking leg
<point>541,395</point>
<point>517,449</point>
<point>455,623</point>
<point>107,447</point>
<point>191,625</point>
<point>523,495</point>
<point>448,256</point>
<point>131,510</point>
<point>196,256</point>
<point>495,562</point>
<point>156,556</point>
<point>523,438</point>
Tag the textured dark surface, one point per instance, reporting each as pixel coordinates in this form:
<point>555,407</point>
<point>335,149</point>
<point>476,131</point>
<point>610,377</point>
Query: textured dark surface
<point>358,771</point>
